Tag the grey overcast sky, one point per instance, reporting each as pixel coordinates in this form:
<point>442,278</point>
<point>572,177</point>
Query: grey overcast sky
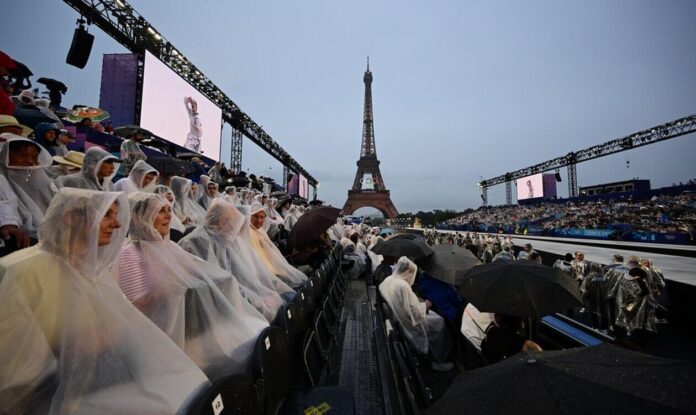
<point>462,90</point>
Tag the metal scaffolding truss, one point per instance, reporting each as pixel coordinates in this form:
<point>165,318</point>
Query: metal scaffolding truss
<point>662,132</point>
<point>120,21</point>
<point>237,139</point>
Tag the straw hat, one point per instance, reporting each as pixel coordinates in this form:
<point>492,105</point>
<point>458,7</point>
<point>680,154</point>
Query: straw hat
<point>72,158</point>
<point>8,120</point>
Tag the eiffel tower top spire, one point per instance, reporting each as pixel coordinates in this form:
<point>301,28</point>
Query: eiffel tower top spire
<point>367,149</point>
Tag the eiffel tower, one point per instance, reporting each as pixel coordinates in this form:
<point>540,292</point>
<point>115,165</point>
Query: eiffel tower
<point>368,187</point>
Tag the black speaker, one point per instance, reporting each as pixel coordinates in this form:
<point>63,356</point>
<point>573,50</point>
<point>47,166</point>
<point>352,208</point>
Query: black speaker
<point>558,176</point>
<point>80,48</point>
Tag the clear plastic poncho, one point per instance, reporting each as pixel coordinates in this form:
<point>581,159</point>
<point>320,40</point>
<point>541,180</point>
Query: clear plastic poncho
<point>270,255</point>
<point>219,242</point>
<point>231,195</point>
<point>87,178</point>
<point>204,197</point>
<point>31,185</point>
<point>405,305</point>
<point>134,181</point>
<point>167,192</point>
<point>179,293</point>
<point>70,342</point>
<point>185,205</point>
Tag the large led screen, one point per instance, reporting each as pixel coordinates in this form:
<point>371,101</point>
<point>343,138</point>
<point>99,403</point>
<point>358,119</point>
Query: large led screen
<point>177,112</point>
<point>304,187</point>
<point>530,187</point>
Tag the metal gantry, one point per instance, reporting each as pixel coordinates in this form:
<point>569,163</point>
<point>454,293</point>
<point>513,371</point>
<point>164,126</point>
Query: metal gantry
<point>676,128</point>
<point>120,21</point>
<point>236,153</point>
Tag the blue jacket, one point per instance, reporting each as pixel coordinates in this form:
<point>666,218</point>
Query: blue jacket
<point>445,298</point>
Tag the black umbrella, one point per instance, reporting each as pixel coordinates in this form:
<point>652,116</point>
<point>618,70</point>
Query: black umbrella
<point>603,379</point>
<point>450,263</point>
<point>312,224</point>
<point>169,166</point>
<point>519,288</point>
<point>31,117</point>
<point>411,236</point>
<point>396,248</point>
<point>128,130</point>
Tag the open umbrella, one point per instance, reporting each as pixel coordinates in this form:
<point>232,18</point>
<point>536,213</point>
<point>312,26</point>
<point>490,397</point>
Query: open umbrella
<point>95,114</point>
<point>602,379</point>
<point>411,236</point>
<point>450,263</point>
<point>31,117</point>
<point>519,288</point>
<point>396,248</point>
<point>312,224</point>
<point>126,131</point>
<point>169,166</point>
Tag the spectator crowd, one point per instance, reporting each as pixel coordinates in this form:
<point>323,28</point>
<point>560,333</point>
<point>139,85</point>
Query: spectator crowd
<point>659,214</point>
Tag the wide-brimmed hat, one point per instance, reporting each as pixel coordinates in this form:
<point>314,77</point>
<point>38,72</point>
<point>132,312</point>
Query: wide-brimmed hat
<point>71,158</point>
<point>8,120</point>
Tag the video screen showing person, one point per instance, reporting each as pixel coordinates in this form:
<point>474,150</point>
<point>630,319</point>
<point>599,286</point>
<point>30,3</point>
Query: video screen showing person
<point>530,187</point>
<point>174,110</point>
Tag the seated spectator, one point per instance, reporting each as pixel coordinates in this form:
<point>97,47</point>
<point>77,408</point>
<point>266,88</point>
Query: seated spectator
<point>46,135</point>
<point>175,223</point>
<point>525,252</point>
<point>375,259</point>
<point>268,253</point>
<point>580,267</point>
<point>9,124</point>
<point>504,339</point>
<point>69,163</point>
<point>565,265</point>
<point>351,256</point>
<point>185,206</point>
<point>635,309</point>
<point>83,345</point>
<point>25,186</point>
<point>535,257</point>
<point>208,191</point>
<point>474,325</point>
<point>311,254</point>
<point>98,168</point>
<point>131,152</point>
<point>506,253</point>
<point>425,330</point>
<point>223,240</point>
<point>384,269</point>
<point>594,296</point>
<point>183,295</point>
<point>444,298</point>
<point>142,178</point>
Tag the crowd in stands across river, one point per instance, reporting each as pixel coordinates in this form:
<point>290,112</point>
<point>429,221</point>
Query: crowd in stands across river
<point>666,218</point>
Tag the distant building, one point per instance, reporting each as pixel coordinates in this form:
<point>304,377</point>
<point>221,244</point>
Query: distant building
<point>615,187</point>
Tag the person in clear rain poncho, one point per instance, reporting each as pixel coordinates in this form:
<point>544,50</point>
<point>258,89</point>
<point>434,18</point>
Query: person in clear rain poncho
<point>221,241</point>
<point>268,253</point>
<point>98,168</point>
<point>142,178</point>
<point>179,292</point>
<point>168,194</point>
<point>424,329</point>
<point>71,343</point>
<point>209,191</point>
<point>26,190</point>
<point>231,195</point>
<point>185,205</point>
